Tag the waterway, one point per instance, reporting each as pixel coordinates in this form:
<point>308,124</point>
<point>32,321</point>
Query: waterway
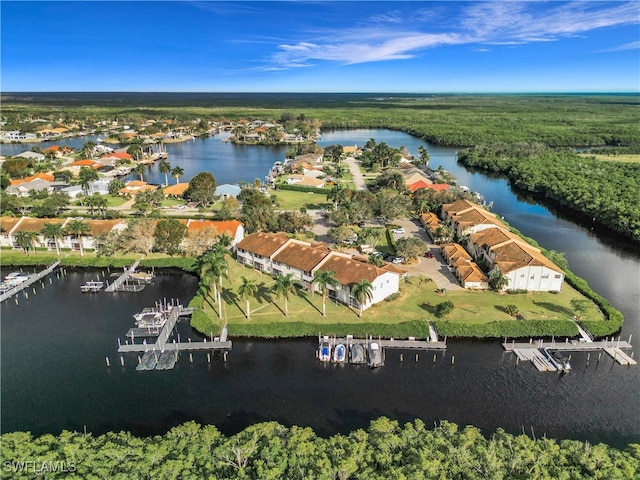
<point>54,375</point>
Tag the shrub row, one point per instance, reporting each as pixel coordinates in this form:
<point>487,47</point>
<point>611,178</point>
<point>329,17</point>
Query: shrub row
<point>300,188</point>
<point>508,328</point>
<point>415,328</point>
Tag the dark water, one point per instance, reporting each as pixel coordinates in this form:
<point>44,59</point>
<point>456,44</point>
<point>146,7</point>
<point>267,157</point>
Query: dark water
<point>60,381</point>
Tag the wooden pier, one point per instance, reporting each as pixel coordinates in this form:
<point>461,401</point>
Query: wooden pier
<point>163,354</point>
<point>534,350</point>
<point>33,278</point>
<point>117,285</point>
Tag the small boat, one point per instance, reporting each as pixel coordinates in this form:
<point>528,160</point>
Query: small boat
<point>16,278</point>
<point>150,319</point>
<point>375,355</point>
<point>562,362</point>
<point>340,353</point>
<point>324,353</point>
<point>92,286</point>
<point>358,354</point>
<point>142,276</point>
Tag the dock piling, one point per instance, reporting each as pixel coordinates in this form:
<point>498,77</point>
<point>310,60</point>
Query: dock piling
<point>416,358</point>
<point>401,357</point>
<point>453,360</point>
<point>190,358</point>
<point>107,360</point>
<point>208,358</point>
<point>121,361</point>
<point>434,358</point>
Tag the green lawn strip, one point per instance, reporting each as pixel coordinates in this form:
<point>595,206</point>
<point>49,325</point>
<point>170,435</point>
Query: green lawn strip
<point>475,313</point>
<point>291,200</point>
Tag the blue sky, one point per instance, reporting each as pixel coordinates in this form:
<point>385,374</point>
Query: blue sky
<point>256,46</point>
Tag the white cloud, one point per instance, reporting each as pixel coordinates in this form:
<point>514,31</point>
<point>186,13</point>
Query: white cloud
<point>399,35</point>
<point>620,48</point>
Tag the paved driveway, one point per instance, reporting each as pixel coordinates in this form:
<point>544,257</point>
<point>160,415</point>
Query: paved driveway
<point>435,268</point>
<point>358,179</point>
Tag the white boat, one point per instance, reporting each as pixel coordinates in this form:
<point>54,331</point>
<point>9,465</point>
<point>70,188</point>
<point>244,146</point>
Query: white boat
<point>340,353</point>
<point>92,286</point>
<point>150,319</point>
<point>324,352</point>
<point>375,355</point>
<point>16,278</point>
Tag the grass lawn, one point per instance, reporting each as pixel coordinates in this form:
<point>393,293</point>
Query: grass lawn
<point>292,200</point>
<point>629,158</point>
<point>416,302</point>
<point>115,200</point>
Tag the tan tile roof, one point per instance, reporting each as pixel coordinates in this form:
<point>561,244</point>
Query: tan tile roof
<point>512,256</point>
<point>177,189</point>
<point>459,206</point>
<point>349,271</point>
<point>101,226</point>
<point>7,223</point>
<point>476,216</point>
<point>263,244</point>
<point>36,224</point>
<point>470,272</point>
<point>430,219</point>
<point>494,236</point>
<point>455,251</point>
<point>229,227</point>
<point>301,256</point>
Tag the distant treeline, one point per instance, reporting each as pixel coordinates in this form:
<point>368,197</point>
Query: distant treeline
<point>454,120</point>
<point>272,451</point>
<point>605,191</point>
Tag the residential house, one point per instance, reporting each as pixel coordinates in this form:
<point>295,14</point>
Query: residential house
<point>226,190</point>
<point>471,277</point>
<point>135,187</point>
<point>176,190</point>
<point>37,157</point>
<point>276,253</point>
<point>17,135</point>
<point>306,181</point>
<point>430,222</point>
<point>466,217</point>
<point>232,228</point>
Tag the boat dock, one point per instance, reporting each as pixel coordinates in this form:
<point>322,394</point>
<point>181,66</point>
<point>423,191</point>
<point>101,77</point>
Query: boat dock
<point>536,351</point>
<point>119,284</point>
<point>33,278</point>
<point>163,353</point>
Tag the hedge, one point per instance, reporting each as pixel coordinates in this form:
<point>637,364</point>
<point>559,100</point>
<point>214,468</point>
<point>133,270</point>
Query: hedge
<point>300,188</point>
<point>508,328</point>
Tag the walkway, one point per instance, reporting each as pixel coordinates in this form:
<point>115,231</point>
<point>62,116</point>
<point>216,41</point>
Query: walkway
<point>358,179</point>
<point>32,279</point>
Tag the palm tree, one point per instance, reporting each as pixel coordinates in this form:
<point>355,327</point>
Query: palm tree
<point>177,172</point>
<point>362,292</point>
<point>88,148</point>
<point>139,169</point>
<point>213,268</point>
<point>324,278</point>
<point>25,240</point>
<point>55,232</point>
<point>78,228</point>
<point>283,288</point>
<point>246,290</point>
<point>165,167</point>
<point>86,176</point>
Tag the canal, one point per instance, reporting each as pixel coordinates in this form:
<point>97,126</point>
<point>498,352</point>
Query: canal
<point>54,345</point>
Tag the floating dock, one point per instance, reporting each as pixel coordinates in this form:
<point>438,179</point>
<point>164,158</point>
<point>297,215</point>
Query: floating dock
<point>163,354</point>
<point>120,284</point>
<point>33,278</point>
<point>534,351</point>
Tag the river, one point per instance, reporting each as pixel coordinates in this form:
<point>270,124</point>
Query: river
<point>54,375</point>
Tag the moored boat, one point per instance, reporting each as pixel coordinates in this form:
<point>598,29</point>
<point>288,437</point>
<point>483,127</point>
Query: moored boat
<point>358,354</point>
<point>340,353</point>
<point>324,352</point>
<point>150,319</point>
<point>375,355</point>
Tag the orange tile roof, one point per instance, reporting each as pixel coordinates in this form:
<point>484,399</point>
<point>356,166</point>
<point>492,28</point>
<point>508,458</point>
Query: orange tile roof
<point>120,155</point>
<point>430,219</point>
<point>493,236</point>
<point>228,227</point>
<point>176,190</point>
<point>301,256</point>
<point>475,216</point>
<point>470,272</point>
<point>263,244</point>
<point>37,176</point>
<point>84,163</point>
<point>101,226</point>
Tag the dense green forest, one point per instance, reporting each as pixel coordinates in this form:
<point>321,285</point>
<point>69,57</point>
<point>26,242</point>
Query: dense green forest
<point>272,451</point>
<point>605,191</point>
<point>458,120</point>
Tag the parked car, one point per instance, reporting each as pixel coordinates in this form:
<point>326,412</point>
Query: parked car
<point>398,260</point>
<point>429,255</point>
<point>398,231</point>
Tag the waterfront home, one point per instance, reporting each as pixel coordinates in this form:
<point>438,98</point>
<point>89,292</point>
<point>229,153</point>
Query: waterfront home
<point>99,186</point>
<point>278,254</point>
<point>471,276</point>
<point>466,217</point>
<point>135,187</point>
<point>430,222</point>
<point>38,183</point>
<point>232,228</point>
<point>176,190</point>
<point>227,190</point>
<point>35,156</point>
<point>453,252</point>
<point>17,135</point>
<point>305,181</point>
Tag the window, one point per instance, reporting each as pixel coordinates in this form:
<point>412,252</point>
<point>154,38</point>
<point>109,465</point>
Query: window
<point>558,276</point>
<point>545,276</point>
<point>533,276</point>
